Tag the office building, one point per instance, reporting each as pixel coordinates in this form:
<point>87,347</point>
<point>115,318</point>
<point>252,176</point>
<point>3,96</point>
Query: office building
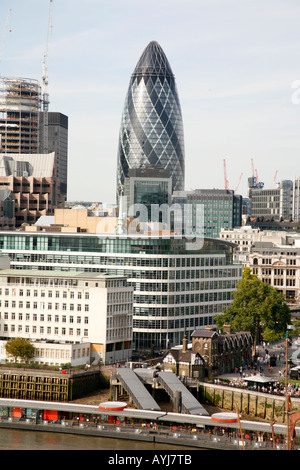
<point>178,285</point>
<point>207,211</point>
<point>32,180</point>
<point>296,199</point>
<point>54,309</point>
<point>57,143</point>
<point>147,187</point>
<point>276,203</point>
<point>151,132</point>
<point>271,255</point>
<point>245,237</point>
<point>278,265</point>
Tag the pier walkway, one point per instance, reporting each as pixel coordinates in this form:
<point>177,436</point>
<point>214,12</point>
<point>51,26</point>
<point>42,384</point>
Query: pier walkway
<point>131,381</point>
<point>172,384</point>
<point>135,389</point>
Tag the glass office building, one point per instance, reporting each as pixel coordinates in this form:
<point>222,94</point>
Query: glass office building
<point>177,289</point>
<point>210,210</point>
<point>151,133</point>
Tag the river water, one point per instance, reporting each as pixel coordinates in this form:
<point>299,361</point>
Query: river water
<point>11,439</point>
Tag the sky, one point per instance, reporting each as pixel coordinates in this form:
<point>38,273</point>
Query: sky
<point>236,65</point>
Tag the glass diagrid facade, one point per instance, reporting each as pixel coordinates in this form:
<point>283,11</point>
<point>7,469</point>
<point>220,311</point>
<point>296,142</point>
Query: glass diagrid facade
<point>151,133</point>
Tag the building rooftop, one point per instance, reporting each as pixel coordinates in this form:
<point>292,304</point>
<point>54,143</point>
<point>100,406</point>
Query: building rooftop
<point>58,274</point>
<point>27,164</point>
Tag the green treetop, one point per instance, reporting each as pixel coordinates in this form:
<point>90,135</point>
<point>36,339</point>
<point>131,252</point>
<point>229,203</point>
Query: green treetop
<point>20,348</point>
<point>256,307</point>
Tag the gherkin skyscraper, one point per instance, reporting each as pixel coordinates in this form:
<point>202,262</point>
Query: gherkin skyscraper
<point>151,133</point>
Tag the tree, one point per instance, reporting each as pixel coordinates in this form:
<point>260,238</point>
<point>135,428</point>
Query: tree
<point>20,348</point>
<point>256,307</point>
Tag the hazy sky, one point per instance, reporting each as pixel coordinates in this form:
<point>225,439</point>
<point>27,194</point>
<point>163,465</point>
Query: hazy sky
<point>237,71</point>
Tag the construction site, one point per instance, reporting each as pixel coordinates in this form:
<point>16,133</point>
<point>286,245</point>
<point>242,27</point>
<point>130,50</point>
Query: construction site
<point>20,104</point>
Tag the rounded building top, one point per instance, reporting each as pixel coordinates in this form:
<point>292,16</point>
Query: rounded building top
<point>153,61</point>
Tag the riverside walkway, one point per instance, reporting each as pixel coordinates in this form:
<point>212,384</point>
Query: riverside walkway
<point>140,425</point>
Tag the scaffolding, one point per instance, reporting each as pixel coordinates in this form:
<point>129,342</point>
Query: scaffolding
<point>20,105</point>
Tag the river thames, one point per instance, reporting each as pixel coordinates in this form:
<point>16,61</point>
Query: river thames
<point>11,439</point>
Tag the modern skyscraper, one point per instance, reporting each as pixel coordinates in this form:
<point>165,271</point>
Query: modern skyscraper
<point>57,142</point>
<point>151,133</point>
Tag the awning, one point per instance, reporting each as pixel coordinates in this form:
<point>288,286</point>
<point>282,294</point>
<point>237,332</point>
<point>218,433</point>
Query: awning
<point>261,379</point>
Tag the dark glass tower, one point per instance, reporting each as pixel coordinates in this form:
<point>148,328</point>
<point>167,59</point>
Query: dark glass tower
<point>151,134</point>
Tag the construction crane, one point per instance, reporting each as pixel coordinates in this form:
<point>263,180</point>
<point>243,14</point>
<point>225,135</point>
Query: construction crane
<point>45,81</point>
<point>225,177</point>
<point>236,188</point>
<point>252,163</point>
<point>254,182</point>
<point>274,180</point>
<point>6,30</point>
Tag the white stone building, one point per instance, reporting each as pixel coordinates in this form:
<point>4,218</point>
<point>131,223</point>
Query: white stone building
<point>55,354</point>
<point>274,256</point>
<point>53,309</point>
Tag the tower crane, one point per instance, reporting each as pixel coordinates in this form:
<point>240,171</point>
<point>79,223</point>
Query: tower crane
<point>237,186</point>
<point>6,30</point>
<point>45,81</point>
<point>225,177</point>
<point>274,180</point>
<point>252,167</point>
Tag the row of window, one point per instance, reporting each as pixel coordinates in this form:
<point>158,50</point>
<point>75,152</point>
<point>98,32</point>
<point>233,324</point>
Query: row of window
<point>41,330</point>
<point>180,311</point>
<point>184,299</point>
<point>57,294</point>
<point>185,286</point>
<point>118,333</point>
<point>42,318</point>
<point>290,262</point>
<point>61,353</point>
<point>172,324</point>
<point>269,271</point>
<point>158,262</point>
<point>45,305</point>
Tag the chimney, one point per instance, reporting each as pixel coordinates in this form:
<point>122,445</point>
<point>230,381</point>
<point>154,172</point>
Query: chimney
<point>184,344</point>
<point>227,328</point>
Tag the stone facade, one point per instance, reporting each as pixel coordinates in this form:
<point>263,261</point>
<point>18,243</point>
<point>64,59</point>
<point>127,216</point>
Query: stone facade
<point>184,362</point>
<point>211,353</point>
<point>222,352</point>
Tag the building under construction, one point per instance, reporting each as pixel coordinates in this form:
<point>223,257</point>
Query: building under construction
<point>20,105</point>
